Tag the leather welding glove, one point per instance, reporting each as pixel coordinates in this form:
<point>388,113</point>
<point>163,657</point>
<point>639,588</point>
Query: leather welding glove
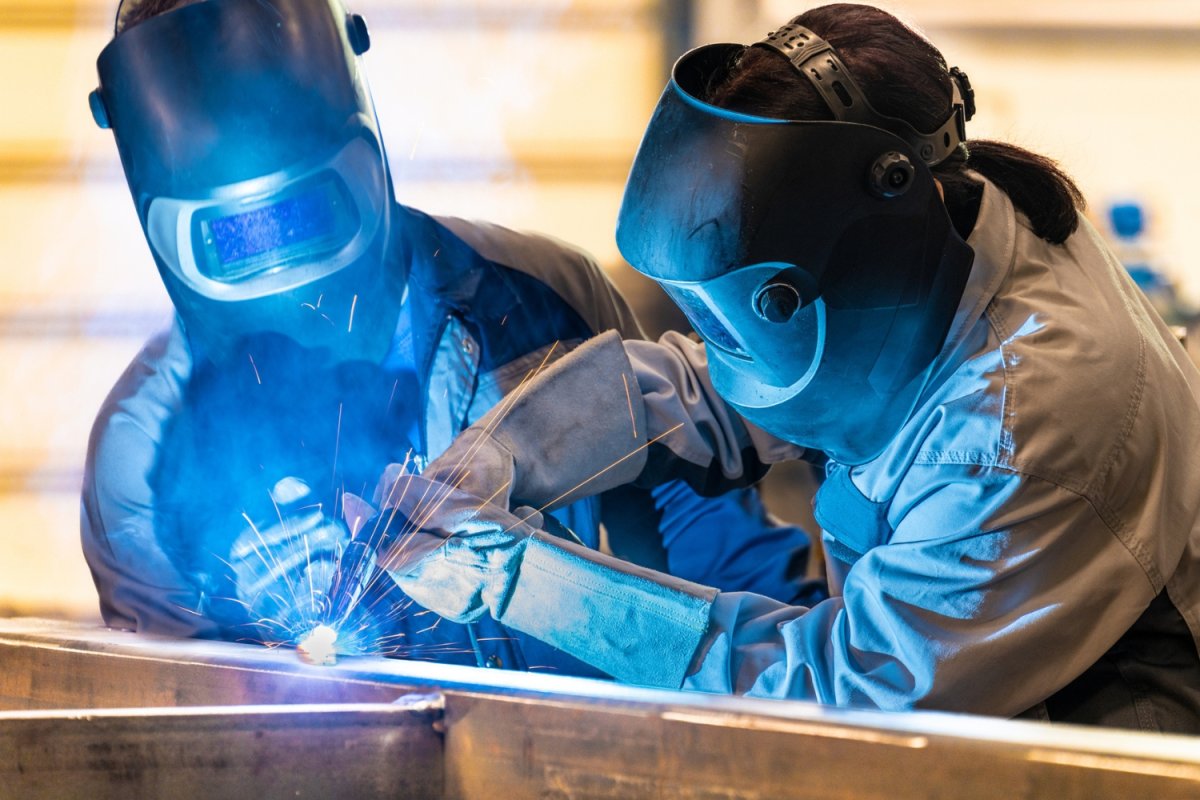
<point>461,557</point>
<point>575,430</point>
<point>283,570</point>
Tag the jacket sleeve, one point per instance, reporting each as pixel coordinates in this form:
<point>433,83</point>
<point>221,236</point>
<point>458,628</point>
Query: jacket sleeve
<point>994,591</point>
<point>138,586</point>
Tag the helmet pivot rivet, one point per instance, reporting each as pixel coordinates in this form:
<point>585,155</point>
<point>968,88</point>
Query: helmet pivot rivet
<point>891,175</point>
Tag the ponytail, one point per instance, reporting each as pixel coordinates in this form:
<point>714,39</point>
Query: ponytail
<point>1037,186</point>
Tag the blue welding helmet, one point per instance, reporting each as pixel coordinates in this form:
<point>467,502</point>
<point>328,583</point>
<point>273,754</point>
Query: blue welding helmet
<point>252,150</point>
<point>815,258</point>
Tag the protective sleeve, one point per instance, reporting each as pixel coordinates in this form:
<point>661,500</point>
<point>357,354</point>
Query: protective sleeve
<point>994,591</point>
<point>139,587</point>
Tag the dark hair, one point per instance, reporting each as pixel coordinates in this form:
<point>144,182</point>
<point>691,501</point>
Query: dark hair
<point>903,76</point>
<point>142,10</point>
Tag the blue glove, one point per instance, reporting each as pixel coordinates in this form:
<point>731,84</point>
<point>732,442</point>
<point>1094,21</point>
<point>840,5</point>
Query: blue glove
<point>283,571</point>
<point>461,557</point>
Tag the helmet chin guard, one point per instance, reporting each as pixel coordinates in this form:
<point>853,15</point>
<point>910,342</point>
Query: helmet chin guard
<point>816,259</point>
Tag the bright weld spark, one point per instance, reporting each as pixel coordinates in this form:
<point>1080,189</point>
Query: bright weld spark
<point>319,646</point>
<point>629,400</point>
<point>337,443</point>
<point>312,591</point>
<point>412,153</point>
<point>188,610</point>
<point>261,540</point>
<point>353,303</point>
<point>392,397</point>
<point>278,565</point>
<point>254,366</point>
<point>495,494</point>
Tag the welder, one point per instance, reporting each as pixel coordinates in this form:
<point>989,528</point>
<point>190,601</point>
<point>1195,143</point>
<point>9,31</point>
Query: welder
<point>1011,508</point>
<point>258,172</point>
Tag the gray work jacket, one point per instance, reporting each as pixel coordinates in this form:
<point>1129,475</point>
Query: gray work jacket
<point>1031,532</point>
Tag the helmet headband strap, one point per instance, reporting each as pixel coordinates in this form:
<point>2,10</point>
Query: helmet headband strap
<point>816,60</point>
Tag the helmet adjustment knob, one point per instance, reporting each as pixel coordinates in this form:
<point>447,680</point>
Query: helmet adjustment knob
<point>356,32</point>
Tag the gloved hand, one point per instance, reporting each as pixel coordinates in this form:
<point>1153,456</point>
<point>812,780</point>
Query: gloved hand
<point>452,552</point>
<point>283,571</point>
<point>530,449</point>
<point>461,556</point>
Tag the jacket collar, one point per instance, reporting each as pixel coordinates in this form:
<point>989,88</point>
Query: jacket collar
<point>993,241</point>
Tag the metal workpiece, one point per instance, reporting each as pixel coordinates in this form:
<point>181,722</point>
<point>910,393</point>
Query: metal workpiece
<point>358,751</point>
<point>466,733</point>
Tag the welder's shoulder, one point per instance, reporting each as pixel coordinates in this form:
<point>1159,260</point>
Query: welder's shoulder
<point>133,417</point>
<point>570,272</point>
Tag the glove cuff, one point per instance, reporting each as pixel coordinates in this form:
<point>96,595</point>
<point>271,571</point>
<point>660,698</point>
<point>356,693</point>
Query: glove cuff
<point>580,423</point>
<point>637,625</point>
<point>485,464</point>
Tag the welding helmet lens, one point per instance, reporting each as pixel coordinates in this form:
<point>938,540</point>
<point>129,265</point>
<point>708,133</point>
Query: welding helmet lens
<point>235,244</point>
<point>274,234</point>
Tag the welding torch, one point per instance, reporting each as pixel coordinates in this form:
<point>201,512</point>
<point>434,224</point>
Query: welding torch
<point>351,573</point>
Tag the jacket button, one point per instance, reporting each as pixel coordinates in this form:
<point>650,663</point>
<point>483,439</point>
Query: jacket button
<point>494,661</point>
<point>468,346</point>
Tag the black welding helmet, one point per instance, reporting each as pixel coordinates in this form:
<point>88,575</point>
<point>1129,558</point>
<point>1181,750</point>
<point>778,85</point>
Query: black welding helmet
<point>252,150</point>
<point>815,259</point>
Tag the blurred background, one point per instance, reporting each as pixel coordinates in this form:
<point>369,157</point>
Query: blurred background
<point>528,113</point>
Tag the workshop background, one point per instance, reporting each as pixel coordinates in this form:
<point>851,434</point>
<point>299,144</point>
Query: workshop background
<point>525,112</point>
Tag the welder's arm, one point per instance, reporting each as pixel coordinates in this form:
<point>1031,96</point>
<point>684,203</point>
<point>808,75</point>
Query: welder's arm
<point>609,413</point>
<point>994,590</point>
<point>139,586</point>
